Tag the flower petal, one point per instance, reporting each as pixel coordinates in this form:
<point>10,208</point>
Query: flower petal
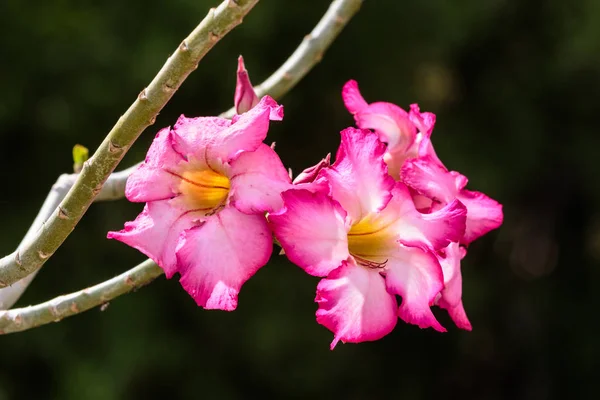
<point>433,180</point>
<point>151,181</point>
<point>391,124</point>
<point>483,214</point>
<point>156,231</point>
<point>218,257</point>
<point>312,230</point>
<point>215,139</point>
<point>354,304</point>
<point>449,259</point>
<point>353,100</point>
<point>310,174</point>
<point>423,121</point>
<point>247,132</point>
<point>451,296</point>
<point>359,178</point>
<point>436,230</point>
<point>458,315</point>
<point>192,136</point>
<point>416,275</point>
<point>429,178</point>
<point>257,180</point>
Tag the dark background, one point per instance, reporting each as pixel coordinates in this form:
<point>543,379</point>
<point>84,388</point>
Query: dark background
<point>515,85</point>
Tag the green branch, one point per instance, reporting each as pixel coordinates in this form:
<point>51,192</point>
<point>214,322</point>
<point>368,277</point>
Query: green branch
<point>20,319</point>
<point>113,188</point>
<point>34,253</point>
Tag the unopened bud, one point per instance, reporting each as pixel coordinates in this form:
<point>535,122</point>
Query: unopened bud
<point>245,97</point>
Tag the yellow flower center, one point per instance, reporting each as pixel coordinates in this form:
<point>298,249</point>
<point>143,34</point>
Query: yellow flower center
<point>370,239</point>
<point>204,189</point>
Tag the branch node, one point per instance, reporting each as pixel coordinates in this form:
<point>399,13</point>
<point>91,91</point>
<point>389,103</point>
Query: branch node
<point>97,190</point>
<point>168,87</point>
<point>18,259</point>
<point>104,306</point>
<point>54,311</point>
<point>74,308</point>
<point>113,147</point>
<point>213,37</point>
<point>42,255</point>
<point>143,96</point>
<point>62,213</point>
<point>18,320</point>
<point>184,47</point>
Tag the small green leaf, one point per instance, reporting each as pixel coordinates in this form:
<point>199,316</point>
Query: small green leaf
<point>80,155</point>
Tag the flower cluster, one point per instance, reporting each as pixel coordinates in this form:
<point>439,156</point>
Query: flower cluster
<point>386,219</point>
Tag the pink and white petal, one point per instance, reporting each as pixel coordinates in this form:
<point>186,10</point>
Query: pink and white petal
<point>416,275</point>
<point>156,232</point>
<point>460,181</point>
<point>246,133</point>
<point>449,259</point>
<point>353,100</point>
<point>391,124</point>
<point>311,228</point>
<point>429,178</point>
<point>358,179</point>
<point>192,136</point>
<point>354,304</point>
<point>483,214</point>
<point>458,315</point>
<point>425,148</point>
<point>152,180</point>
<point>257,180</point>
<point>310,174</point>
<point>424,121</point>
<point>451,297</point>
<point>434,230</point>
<point>423,204</point>
<point>219,256</point>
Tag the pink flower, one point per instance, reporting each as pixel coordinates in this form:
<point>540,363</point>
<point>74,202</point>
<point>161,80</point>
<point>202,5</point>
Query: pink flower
<point>207,184</point>
<point>407,134</point>
<point>434,181</point>
<point>360,230</point>
<point>245,98</point>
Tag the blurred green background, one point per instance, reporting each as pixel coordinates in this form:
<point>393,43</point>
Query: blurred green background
<point>515,85</point>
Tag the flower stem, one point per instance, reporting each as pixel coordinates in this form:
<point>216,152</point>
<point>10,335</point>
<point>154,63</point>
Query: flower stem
<point>20,319</point>
<point>32,254</point>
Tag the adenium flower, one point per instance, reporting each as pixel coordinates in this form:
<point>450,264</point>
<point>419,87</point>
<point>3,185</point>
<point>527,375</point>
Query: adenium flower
<point>430,179</point>
<point>407,134</point>
<point>410,157</point>
<point>360,230</point>
<point>207,184</point>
